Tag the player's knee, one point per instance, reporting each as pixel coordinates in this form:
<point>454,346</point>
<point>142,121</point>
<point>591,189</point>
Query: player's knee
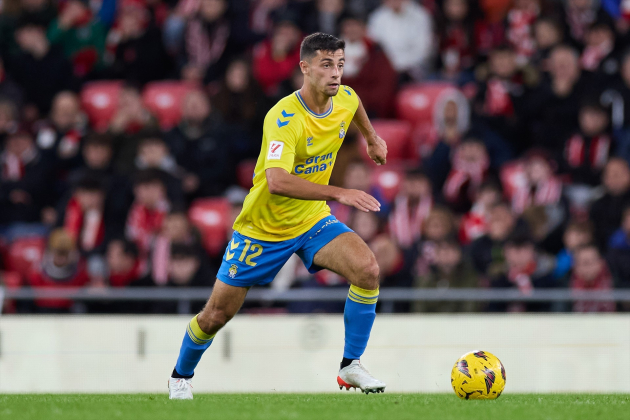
<point>212,321</point>
<point>370,275</point>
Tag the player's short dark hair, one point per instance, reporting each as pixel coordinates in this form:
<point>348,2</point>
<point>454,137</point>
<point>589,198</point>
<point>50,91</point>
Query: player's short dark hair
<point>320,42</point>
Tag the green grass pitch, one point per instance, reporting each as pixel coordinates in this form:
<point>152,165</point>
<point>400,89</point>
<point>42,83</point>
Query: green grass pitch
<point>344,406</point>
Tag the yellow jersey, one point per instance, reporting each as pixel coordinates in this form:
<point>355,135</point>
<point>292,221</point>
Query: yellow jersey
<point>305,144</point>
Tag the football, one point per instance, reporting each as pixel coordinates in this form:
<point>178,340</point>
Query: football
<point>478,375</point>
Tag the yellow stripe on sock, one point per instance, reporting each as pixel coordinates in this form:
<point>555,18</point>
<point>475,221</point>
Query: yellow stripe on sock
<point>367,297</point>
<point>196,334</point>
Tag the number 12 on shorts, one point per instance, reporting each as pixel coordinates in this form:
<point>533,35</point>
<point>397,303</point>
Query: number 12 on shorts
<point>255,251</point>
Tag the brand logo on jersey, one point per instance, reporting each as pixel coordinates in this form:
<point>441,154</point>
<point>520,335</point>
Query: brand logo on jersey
<point>275,150</point>
<point>315,164</point>
<point>342,130</point>
<point>309,141</point>
<point>232,271</point>
<point>489,379</point>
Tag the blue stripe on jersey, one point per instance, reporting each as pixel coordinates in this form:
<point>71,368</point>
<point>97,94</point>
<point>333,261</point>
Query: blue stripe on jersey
<point>324,115</point>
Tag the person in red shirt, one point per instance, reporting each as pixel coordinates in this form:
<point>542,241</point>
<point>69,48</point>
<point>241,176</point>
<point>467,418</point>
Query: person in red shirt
<point>62,268</point>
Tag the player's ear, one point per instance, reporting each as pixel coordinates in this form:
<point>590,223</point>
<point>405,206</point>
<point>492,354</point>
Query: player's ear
<point>305,67</point>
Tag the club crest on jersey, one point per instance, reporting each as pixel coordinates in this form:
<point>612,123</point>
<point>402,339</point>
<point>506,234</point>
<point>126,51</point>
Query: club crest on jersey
<point>232,271</point>
<point>309,141</point>
<point>342,130</point>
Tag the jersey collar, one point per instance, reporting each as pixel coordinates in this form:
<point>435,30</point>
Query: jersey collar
<point>323,115</point>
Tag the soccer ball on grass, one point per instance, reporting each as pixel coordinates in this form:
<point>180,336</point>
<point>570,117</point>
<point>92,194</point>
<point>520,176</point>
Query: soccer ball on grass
<point>478,375</point>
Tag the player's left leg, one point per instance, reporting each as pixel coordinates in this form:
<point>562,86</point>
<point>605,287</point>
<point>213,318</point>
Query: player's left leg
<point>349,256</point>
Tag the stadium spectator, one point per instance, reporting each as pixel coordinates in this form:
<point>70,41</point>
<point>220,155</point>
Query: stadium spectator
<point>41,69</point>
<point>368,70</point>
<point>576,234</point>
<point>524,269</point>
<point>366,225</point>
<point>486,252</point>
<point>606,212</point>
<point>122,262</point>
<point>62,268</point>
<point>184,270</point>
<point>147,213</point>
<point>81,35</point>
<point>275,58</point>
<point>455,25</point>
<point>59,137</point>
<point>579,15</point>
<point>323,16</point>
<point>9,89</point>
<point>438,226</point>
<point>412,207</point>
<point>84,217</point>
<point>209,43</point>
<point>618,255</point>
<point>153,153</point>
<point>131,122</point>
<point>25,187</point>
<point>242,105</point>
<point>405,31</point>
<point>548,33</point>
<point>600,53</point>
<point>540,186</point>
<point>587,151</point>
<point>200,144</point>
<point>474,224</point>
<point>8,119</point>
<point>591,273</point>
<point>449,270</point>
<point>137,53</point>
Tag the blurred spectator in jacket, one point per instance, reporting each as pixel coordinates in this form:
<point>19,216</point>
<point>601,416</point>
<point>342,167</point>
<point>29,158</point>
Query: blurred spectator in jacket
<point>41,69</point>
<point>587,151</point>
<point>438,226</point>
<point>26,182</point>
<point>455,25</point>
<point>136,51</point>
<point>131,123</point>
<point>618,255</point>
<point>147,213</point>
<point>525,269</point>
<point>474,224</point>
<point>600,53</point>
<point>553,107</point>
<point>275,58</point>
<point>486,252</point>
<point>59,137</point>
<point>580,15</point>
<point>9,89</point>
<point>412,207</point>
<point>607,211</point>
<point>576,234</point>
<point>366,225</point>
<point>81,35</point>
<point>242,105</point>
<point>8,119</point>
<point>209,42</point>
<point>591,273</point>
<point>367,70</point>
<point>323,16</point>
<point>201,145</point>
<point>356,176</point>
<point>153,153</point>
<point>122,262</point>
<point>405,31</point>
<point>548,33</point>
<point>186,269</point>
<point>84,217</point>
<point>449,271</point>
<point>62,268</point>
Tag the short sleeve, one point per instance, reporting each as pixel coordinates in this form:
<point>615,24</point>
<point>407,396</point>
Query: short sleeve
<point>349,98</point>
<point>281,133</point>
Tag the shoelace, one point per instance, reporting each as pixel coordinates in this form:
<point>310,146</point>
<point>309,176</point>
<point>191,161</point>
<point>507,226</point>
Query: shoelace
<point>181,384</point>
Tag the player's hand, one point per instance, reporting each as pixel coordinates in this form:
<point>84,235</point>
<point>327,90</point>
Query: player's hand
<point>359,200</point>
<point>377,151</point>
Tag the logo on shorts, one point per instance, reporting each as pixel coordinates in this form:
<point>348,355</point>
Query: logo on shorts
<point>232,271</point>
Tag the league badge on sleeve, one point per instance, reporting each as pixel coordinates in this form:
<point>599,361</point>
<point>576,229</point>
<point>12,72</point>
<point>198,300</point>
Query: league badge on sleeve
<point>275,150</point>
<point>342,131</point>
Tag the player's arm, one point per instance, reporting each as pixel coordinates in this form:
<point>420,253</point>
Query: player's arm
<point>376,146</point>
<point>281,182</point>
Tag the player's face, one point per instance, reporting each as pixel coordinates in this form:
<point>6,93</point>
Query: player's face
<point>325,71</point>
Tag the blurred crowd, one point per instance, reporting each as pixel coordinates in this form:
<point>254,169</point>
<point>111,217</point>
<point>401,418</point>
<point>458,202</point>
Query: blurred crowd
<point>129,128</point>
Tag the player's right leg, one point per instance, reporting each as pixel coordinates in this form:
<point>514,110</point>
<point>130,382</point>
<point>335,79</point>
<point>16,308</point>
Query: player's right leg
<point>223,304</point>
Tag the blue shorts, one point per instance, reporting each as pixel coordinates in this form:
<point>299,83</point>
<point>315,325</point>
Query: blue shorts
<point>249,261</point>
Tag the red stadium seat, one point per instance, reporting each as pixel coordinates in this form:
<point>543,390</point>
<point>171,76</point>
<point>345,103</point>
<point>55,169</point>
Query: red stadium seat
<point>512,176</point>
<point>419,102</point>
<point>99,100</point>
<point>211,216</point>
<point>397,135</point>
<point>245,173</point>
<point>25,254</point>
<point>388,179</point>
<point>164,100</point>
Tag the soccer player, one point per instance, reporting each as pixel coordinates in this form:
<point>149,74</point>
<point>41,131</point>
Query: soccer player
<point>285,212</point>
